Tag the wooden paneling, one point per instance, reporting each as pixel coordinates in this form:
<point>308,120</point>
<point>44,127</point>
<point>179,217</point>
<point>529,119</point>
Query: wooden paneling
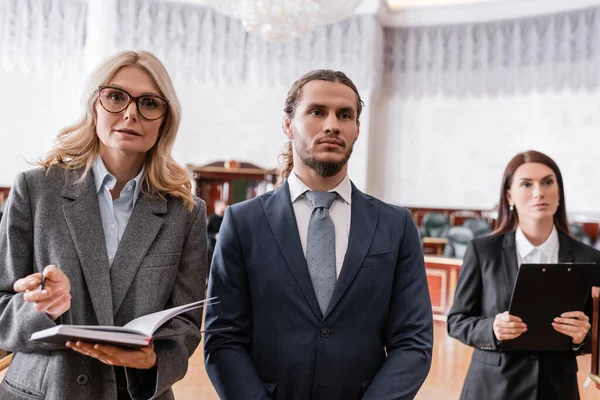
<point>434,245</point>
<point>591,230</point>
<point>436,280</point>
<point>219,180</point>
<point>442,275</point>
<point>3,194</point>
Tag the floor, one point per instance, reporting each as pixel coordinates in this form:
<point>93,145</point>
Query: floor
<point>450,363</point>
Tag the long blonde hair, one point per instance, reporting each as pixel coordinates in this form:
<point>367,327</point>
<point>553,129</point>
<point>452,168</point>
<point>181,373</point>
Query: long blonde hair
<point>77,146</point>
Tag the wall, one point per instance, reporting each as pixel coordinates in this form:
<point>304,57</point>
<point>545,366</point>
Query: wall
<point>33,109</point>
<point>219,123</point>
<point>451,152</point>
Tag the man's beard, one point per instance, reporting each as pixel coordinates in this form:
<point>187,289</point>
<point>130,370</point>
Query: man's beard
<point>324,169</point>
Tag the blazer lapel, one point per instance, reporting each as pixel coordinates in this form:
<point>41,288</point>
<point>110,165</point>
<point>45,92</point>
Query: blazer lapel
<point>510,265</point>
<point>565,253</point>
<point>141,230</point>
<point>85,224</point>
<point>363,222</point>
<point>282,220</point>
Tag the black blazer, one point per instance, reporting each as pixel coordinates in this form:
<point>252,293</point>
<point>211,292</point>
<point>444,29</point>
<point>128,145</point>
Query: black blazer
<point>373,342</point>
<point>484,289</point>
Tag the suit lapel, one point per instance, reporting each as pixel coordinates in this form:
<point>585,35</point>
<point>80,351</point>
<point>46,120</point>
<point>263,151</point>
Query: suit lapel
<point>141,230</point>
<point>565,253</point>
<point>282,220</point>
<point>510,265</point>
<point>363,222</point>
<point>85,224</point>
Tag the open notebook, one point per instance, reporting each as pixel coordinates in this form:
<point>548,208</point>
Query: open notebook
<point>137,333</point>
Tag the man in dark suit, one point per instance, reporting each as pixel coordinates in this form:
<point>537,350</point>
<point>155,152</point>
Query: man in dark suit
<point>322,287</point>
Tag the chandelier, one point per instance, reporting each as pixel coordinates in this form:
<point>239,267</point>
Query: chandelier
<point>283,20</point>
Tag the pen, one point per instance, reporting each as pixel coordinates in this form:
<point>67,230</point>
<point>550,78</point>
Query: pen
<point>42,281</point>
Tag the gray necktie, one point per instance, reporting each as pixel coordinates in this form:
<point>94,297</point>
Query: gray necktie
<point>320,247</point>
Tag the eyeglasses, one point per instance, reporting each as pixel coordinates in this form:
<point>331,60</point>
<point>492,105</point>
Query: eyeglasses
<point>115,100</point>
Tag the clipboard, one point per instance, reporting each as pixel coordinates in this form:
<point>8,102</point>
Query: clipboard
<point>541,293</point>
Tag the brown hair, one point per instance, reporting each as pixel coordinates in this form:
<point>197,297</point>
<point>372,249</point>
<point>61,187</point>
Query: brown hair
<point>291,102</point>
<point>508,220</point>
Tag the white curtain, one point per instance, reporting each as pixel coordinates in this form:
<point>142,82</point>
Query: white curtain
<point>543,53</point>
<point>42,36</point>
<point>198,45</point>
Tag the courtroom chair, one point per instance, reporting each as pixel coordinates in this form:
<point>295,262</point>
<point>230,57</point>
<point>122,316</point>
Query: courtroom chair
<point>435,225</point>
<point>579,234</point>
<point>458,238</point>
<point>479,226</point>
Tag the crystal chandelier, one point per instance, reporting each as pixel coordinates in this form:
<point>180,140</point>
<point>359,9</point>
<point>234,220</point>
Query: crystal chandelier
<point>283,20</point>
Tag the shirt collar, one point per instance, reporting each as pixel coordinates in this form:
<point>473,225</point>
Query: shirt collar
<point>524,246</point>
<point>103,178</point>
<point>298,188</point>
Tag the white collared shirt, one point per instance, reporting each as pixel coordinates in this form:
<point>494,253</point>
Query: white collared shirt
<point>115,214</point>
<point>546,253</point>
<point>340,212</point>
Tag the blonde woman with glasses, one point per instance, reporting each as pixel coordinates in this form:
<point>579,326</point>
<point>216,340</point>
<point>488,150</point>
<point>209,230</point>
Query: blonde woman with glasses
<point>110,221</point>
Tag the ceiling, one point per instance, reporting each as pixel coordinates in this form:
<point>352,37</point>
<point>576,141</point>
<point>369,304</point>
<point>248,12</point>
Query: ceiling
<point>400,4</point>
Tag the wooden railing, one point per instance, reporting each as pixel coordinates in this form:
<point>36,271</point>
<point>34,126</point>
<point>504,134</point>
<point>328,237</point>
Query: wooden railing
<point>595,372</point>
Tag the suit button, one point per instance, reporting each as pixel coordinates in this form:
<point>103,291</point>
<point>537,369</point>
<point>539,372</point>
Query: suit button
<point>82,379</point>
<point>324,332</point>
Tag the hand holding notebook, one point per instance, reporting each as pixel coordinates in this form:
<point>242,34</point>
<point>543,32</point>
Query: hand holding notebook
<point>137,333</point>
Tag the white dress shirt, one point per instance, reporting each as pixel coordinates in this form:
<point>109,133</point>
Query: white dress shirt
<point>546,253</point>
<point>340,212</point>
<point>115,214</point>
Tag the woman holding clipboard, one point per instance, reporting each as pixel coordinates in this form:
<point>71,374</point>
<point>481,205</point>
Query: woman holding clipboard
<point>532,227</point>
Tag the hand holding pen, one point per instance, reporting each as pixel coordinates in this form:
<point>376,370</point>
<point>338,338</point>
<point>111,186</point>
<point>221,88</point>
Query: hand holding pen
<point>49,291</point>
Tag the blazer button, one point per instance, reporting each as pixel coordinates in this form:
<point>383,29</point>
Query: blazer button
<point>82,379</point>
<point>324,332</point>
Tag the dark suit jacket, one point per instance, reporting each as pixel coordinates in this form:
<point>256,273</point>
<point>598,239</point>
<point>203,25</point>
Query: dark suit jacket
<point>375,339</point>
<point>213,225</point>
<point>484,289</point>
<point>53,219</point>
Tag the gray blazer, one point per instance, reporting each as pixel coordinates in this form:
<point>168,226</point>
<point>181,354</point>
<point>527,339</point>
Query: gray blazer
<point>160,263</point>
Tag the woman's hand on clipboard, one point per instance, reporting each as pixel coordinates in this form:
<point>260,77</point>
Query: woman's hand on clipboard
<point>507,327</point>
<point>574,324</point>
